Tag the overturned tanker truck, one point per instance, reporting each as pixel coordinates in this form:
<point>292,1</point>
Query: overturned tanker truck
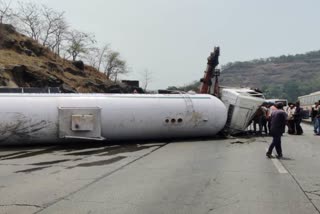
<point>241,103</point>
<point>31,118</point>
<point>52,118</point>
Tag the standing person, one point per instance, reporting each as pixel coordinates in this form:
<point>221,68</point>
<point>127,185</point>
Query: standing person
<point>271,108</point>
<point>256,120</point>
<point>263,119</point>
<point>314,113</point>
<point>290,112</point>
<point>278,123</point>
<point>298,118</point>
<point>317,127</point>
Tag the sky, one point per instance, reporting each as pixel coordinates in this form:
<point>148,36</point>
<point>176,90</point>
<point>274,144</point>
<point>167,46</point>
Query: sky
<point>173,38</point>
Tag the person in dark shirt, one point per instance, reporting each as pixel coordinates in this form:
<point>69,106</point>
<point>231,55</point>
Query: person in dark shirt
<point>298,118</point>
<point>314,119</point>
<point>278,123</point>
<point>317,118</point>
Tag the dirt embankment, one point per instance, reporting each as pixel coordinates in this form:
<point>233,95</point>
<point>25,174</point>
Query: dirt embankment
<point>26,63</point>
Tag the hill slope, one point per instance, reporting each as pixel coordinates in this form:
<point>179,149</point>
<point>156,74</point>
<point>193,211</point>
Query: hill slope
<point>25,63</point>
<point>278,77</point>
<point>283,77</point>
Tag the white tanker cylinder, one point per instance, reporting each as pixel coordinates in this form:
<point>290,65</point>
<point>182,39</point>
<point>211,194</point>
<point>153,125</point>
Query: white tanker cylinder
<point>53,118</point>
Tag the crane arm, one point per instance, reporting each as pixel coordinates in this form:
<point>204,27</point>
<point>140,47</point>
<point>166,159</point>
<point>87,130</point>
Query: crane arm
<point>213,61</point>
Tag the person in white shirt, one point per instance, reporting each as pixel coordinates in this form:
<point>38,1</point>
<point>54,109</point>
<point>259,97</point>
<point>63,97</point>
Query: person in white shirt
<point>290,119</point>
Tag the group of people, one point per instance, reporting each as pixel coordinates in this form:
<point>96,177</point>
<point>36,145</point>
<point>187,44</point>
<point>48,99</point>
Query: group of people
<point>273,118</point>
<point>262,118</point>
<point>294,112</point>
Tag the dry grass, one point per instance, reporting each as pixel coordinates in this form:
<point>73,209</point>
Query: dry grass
<point>9,57</point>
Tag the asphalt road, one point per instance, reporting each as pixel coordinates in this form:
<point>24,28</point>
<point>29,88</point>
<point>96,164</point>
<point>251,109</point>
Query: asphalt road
<point>199,176</point>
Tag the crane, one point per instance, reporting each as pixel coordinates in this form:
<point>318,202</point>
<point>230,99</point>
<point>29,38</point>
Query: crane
<point>210,72</point>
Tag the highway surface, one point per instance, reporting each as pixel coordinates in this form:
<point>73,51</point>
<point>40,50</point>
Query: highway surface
<point>196,176</point>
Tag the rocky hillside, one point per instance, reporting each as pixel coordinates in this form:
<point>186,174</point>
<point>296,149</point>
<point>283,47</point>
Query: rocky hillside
<point>25,63</point>
<point>278,77</point>
<point>257,73</point>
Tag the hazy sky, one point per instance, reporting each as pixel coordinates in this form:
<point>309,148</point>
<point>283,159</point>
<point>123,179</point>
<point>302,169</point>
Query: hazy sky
<point>173,38</point>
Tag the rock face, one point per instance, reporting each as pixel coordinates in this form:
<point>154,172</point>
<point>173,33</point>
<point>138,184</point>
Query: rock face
<point>76,72</point>
<point>78,64</point>
<point>22,76</point>
<point>67,89</point>
<point>25,63</point>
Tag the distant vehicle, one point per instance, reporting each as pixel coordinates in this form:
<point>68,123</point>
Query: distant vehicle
<point>274,101</point>
<point>307,101</point>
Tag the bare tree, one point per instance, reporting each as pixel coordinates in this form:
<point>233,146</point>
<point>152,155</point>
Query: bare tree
<point>97,57</point>
<point>103,54</point>
<point>114,65</point>
<point>147,78</point>
<point>121,69</point>
<point>6,13</point>
<point>30,19</point>
<point>53,22</point>
<point>42,24</point>
<point>59,36</point>
<point>91,57</point>
<point>78,43</point>
<point>107,61</point>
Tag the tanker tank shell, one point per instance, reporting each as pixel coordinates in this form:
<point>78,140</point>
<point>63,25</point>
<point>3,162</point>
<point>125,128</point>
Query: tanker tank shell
<point>53,118</point>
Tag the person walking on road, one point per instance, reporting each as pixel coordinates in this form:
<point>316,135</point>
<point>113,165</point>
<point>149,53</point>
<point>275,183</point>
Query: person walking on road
<point>278,123</point>
<point>271,108</point>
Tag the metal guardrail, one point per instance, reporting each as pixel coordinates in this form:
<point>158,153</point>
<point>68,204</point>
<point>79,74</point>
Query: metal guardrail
<point>34,90</point>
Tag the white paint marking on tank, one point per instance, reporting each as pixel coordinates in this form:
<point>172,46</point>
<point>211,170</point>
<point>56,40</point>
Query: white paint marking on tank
<point>278,165</point>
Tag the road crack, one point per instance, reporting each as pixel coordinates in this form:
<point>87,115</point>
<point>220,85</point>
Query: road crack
<point>100,178</point>
<point>315,192</point>
<point>223,206</point>
<point>20,205</point>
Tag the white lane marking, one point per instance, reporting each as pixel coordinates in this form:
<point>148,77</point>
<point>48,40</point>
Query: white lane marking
<point>278,165</point>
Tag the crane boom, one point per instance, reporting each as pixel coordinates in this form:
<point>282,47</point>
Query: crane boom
<point>206,82</point>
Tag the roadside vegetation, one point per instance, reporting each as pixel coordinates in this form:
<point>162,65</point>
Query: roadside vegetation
<point>49,28</point>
